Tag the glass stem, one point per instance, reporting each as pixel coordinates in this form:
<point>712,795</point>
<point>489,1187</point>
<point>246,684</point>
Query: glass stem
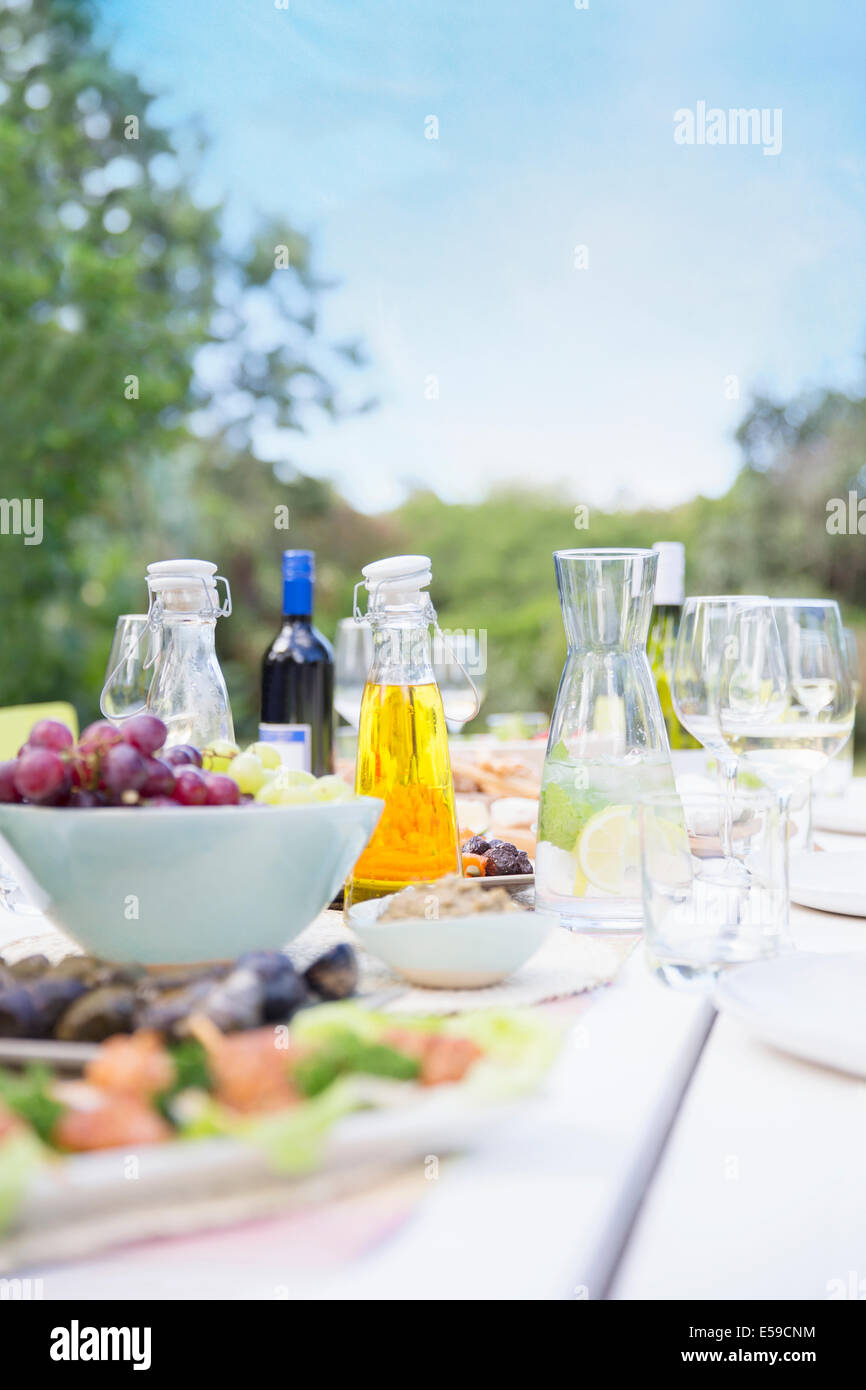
<point>784,799</point>
<point>728,787</point>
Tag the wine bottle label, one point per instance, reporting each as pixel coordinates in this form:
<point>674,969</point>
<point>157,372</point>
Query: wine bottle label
<point>292,742</point>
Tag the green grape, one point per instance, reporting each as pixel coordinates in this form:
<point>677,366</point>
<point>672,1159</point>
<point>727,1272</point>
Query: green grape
<point>266,753</point>
<point>247,770</point>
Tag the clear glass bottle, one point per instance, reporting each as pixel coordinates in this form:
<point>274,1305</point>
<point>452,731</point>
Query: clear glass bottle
<point>608,745</point>
<point>403,739</point>
<point>186,689</point>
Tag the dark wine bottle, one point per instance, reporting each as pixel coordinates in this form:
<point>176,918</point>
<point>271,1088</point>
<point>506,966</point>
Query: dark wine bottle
<point>298,676</point>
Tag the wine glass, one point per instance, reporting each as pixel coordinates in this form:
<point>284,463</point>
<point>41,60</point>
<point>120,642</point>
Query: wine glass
<point>853,662</point>
<point>786,697</point>
<point>817,652</point>
<point>835,779</point>
<point>459,664</point>
<point>127,675</point>
<point>705,624</point>
<point>353,653</point>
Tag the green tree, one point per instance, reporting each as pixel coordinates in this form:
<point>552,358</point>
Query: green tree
<point>129,370</point>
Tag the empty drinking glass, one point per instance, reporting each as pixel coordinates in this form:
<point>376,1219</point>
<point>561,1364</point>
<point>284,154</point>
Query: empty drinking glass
<point>697,919</point>
<point>704,627</point>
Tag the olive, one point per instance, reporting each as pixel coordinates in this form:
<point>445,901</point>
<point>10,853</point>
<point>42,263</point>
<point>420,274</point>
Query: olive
<point>98,1015</point>
<point>503,858</point>
<point>335,974</point>
<point>477,845</point>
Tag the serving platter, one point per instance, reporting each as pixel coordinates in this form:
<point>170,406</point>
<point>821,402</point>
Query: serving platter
<point>88,1203</point>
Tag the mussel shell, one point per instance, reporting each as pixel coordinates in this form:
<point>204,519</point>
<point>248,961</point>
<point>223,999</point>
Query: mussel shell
<point>335,974</point>
<point>84,968</point>
<point>180,976</point>
<point>29,967</point>
<point>98,1014</point>
<point>51,998</point>
<point>17,1013</point>
<point>95,972</point>
<point>31,1009</point>
<point>237,1002</point>
<point>165,1011</point>
<point>285,991</point>
<point>129,974</point>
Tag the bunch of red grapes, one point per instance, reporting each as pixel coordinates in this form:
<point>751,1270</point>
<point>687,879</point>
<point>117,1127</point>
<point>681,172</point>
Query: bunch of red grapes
<point>111,767</point>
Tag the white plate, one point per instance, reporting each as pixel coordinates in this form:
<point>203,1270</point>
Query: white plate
<point>804,1003</point>
<point>844,814</point>
<point>832,882</point>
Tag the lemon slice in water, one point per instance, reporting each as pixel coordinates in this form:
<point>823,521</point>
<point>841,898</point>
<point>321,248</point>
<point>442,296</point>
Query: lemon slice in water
<point>608,851</point>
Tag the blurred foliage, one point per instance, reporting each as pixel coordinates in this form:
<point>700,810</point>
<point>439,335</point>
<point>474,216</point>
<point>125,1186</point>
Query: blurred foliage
<point>137,355</point>
<point>110,269</point>
<point>768,534</point>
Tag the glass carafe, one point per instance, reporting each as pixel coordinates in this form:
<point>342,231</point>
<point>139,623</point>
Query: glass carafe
<point>175,653</point>
<point>608,745</point>
<point>403,739</point>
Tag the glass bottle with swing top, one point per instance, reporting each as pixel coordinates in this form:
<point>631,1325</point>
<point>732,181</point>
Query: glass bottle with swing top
<point>186,688</point>
<point>402,737</point>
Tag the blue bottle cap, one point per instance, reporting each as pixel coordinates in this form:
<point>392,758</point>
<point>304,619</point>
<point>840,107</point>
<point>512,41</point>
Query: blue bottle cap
<point>299,569</point>
<point>299,564</point>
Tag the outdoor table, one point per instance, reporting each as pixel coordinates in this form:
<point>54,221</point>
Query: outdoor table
<point>671,1155</point>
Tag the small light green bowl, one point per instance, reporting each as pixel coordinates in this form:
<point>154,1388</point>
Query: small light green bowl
<point>468,952</point>
<point>161,885</point>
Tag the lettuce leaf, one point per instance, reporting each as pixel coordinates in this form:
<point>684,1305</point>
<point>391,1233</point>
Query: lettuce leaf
<point>293,1140</point>
<point>21,1154</point>
<point>519,1047</point>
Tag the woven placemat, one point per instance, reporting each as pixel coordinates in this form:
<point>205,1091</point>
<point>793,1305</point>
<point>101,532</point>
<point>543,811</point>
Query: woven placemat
<point>567,963</point>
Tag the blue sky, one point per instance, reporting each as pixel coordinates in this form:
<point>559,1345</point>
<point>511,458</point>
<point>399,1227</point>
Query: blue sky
<point>456,256</point>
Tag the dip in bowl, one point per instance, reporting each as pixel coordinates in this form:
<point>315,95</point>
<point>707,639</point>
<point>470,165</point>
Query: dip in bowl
<point>448,935</point>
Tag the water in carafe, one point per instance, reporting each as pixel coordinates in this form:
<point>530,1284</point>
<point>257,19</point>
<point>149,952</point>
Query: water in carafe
<point>608,745</point>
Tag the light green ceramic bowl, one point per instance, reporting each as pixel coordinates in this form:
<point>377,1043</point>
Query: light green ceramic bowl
<point>468,952</point>
<point>163,885</point>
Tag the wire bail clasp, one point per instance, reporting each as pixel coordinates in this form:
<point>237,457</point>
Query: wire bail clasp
<point>457,662</point>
